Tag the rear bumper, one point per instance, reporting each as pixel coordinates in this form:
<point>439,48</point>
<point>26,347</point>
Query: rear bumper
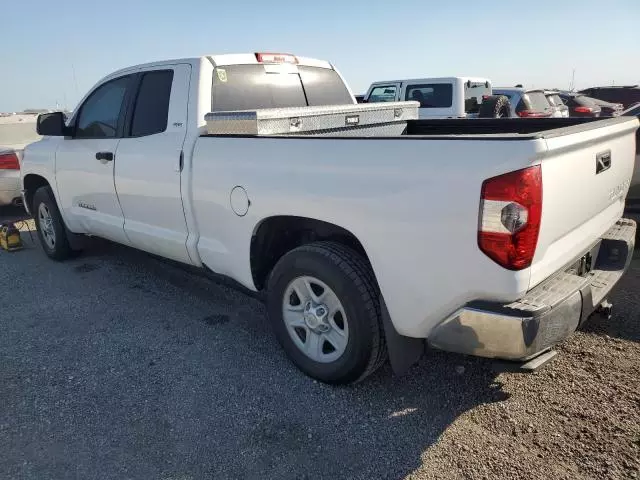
<point>9,187</point>
<point>547,314</point>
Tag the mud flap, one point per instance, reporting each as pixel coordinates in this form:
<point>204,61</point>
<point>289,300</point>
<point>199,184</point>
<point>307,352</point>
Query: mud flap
<point>403,351</point>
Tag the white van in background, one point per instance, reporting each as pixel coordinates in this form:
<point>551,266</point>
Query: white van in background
<point>440,97</point>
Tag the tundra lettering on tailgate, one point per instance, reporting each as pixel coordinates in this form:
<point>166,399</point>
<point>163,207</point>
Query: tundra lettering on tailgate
<point>619,190</point>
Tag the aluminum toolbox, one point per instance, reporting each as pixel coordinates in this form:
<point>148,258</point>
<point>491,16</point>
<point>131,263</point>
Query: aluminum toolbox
<point>372,119</point>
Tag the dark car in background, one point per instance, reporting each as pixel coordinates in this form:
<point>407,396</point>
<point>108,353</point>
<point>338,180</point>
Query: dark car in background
<point>626,95</point>
<point>608,109</point>
<point>580,105</point>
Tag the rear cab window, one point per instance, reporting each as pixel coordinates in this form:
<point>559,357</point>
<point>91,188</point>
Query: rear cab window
<point>250,87</point>
<point>383,93</point>
<point>431,95</point>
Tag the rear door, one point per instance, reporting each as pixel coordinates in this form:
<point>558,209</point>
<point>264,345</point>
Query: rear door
<point>149,162</point>
<point>436,99</point>
<point>85,162</point>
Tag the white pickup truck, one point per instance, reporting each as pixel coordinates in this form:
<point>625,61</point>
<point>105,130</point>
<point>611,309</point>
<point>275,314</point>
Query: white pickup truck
<point>495,238</point>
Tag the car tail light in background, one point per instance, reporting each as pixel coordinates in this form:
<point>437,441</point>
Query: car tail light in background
<point>510,213</point>
<point>584,109</point>
<point>276,58</point>
<point>9,161</point>
<point>532,114</point>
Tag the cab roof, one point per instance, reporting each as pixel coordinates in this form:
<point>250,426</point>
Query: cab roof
<point>436,80</point>
<point>228,59</point>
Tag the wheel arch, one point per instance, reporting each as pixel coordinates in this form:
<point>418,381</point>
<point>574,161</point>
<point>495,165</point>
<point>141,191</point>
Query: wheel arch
<point>274,236</point>
<point>30,184</point>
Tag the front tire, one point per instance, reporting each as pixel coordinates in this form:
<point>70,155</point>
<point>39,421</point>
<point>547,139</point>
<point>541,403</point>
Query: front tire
<point>323,303</point>
<point>50,226</point>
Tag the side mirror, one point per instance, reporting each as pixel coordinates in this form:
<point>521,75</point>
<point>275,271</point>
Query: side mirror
<point>51,125</point>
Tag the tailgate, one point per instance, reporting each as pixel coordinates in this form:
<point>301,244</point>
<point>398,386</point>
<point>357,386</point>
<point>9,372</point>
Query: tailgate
<point>586,172</point>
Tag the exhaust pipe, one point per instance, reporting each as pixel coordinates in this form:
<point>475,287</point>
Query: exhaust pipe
<point>17,202</point>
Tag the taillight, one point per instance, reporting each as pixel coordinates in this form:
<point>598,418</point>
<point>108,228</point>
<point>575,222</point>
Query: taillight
<point>9,161</point>
<point>584,109</point>
<point>510,213</point>
<point>531,114</point>
<point>276,58</point>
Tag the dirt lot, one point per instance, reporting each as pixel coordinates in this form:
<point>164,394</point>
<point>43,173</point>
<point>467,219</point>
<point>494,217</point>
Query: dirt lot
<point>116,365</point>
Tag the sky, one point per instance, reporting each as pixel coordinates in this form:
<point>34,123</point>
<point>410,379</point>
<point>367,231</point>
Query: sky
<point>52,52</point>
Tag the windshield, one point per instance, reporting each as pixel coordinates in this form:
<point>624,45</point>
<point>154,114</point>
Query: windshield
<point>251,87</point>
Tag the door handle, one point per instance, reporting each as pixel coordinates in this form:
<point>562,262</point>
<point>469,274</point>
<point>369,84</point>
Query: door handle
<point>104,156</point>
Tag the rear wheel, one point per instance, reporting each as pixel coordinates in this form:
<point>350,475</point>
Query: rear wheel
<point>50,226</point>
<point>324,307</point>
<point>495,106</point>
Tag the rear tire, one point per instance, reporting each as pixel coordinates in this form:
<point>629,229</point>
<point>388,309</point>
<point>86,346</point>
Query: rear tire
<point>495,106</point>
<point>341,286</point>
<point>50,226</point>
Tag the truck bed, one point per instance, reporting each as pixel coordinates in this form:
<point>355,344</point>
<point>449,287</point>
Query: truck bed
<point>515,128</point>
<point>414,203</point>
<point>481,128</point>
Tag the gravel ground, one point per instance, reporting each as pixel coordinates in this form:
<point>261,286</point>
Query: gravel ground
<point>116,365</point>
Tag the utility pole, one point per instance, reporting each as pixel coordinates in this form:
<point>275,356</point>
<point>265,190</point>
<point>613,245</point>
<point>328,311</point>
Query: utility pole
<point>572,85</point>
<point>75,81</point>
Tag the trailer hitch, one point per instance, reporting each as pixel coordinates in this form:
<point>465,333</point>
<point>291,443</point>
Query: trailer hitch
<point>604,309</point>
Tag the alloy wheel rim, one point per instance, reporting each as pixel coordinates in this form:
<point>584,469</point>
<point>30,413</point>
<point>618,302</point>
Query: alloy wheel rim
<point>46,225</point>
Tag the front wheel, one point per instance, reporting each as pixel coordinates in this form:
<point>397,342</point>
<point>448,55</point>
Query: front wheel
<point>324,306</point>
<point>50,226</point>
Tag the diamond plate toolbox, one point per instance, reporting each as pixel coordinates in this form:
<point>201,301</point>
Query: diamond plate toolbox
<point>374,119</point>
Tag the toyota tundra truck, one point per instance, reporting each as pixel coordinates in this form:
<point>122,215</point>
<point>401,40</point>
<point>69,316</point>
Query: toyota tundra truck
<point>496,238</point>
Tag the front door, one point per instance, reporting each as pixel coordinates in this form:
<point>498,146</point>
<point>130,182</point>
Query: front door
<point>85,164</point>
<point>149,162</point>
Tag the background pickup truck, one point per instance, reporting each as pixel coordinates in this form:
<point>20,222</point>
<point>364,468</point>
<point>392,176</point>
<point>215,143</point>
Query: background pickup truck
<point>493,237</point>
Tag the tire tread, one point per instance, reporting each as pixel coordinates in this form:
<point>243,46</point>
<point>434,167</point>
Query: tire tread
<point>360,272</point>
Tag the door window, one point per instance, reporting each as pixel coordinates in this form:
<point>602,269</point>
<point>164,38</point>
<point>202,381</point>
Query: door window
<point>99,114</point>
<point>383,93</point>
<point>433,95</point>
<point>152,103</point>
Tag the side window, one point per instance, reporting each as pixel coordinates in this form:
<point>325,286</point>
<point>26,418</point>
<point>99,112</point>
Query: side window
<point>433,95</point>
<point>383,93</point>
<point>152,103</point>
<point>99,114</point>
